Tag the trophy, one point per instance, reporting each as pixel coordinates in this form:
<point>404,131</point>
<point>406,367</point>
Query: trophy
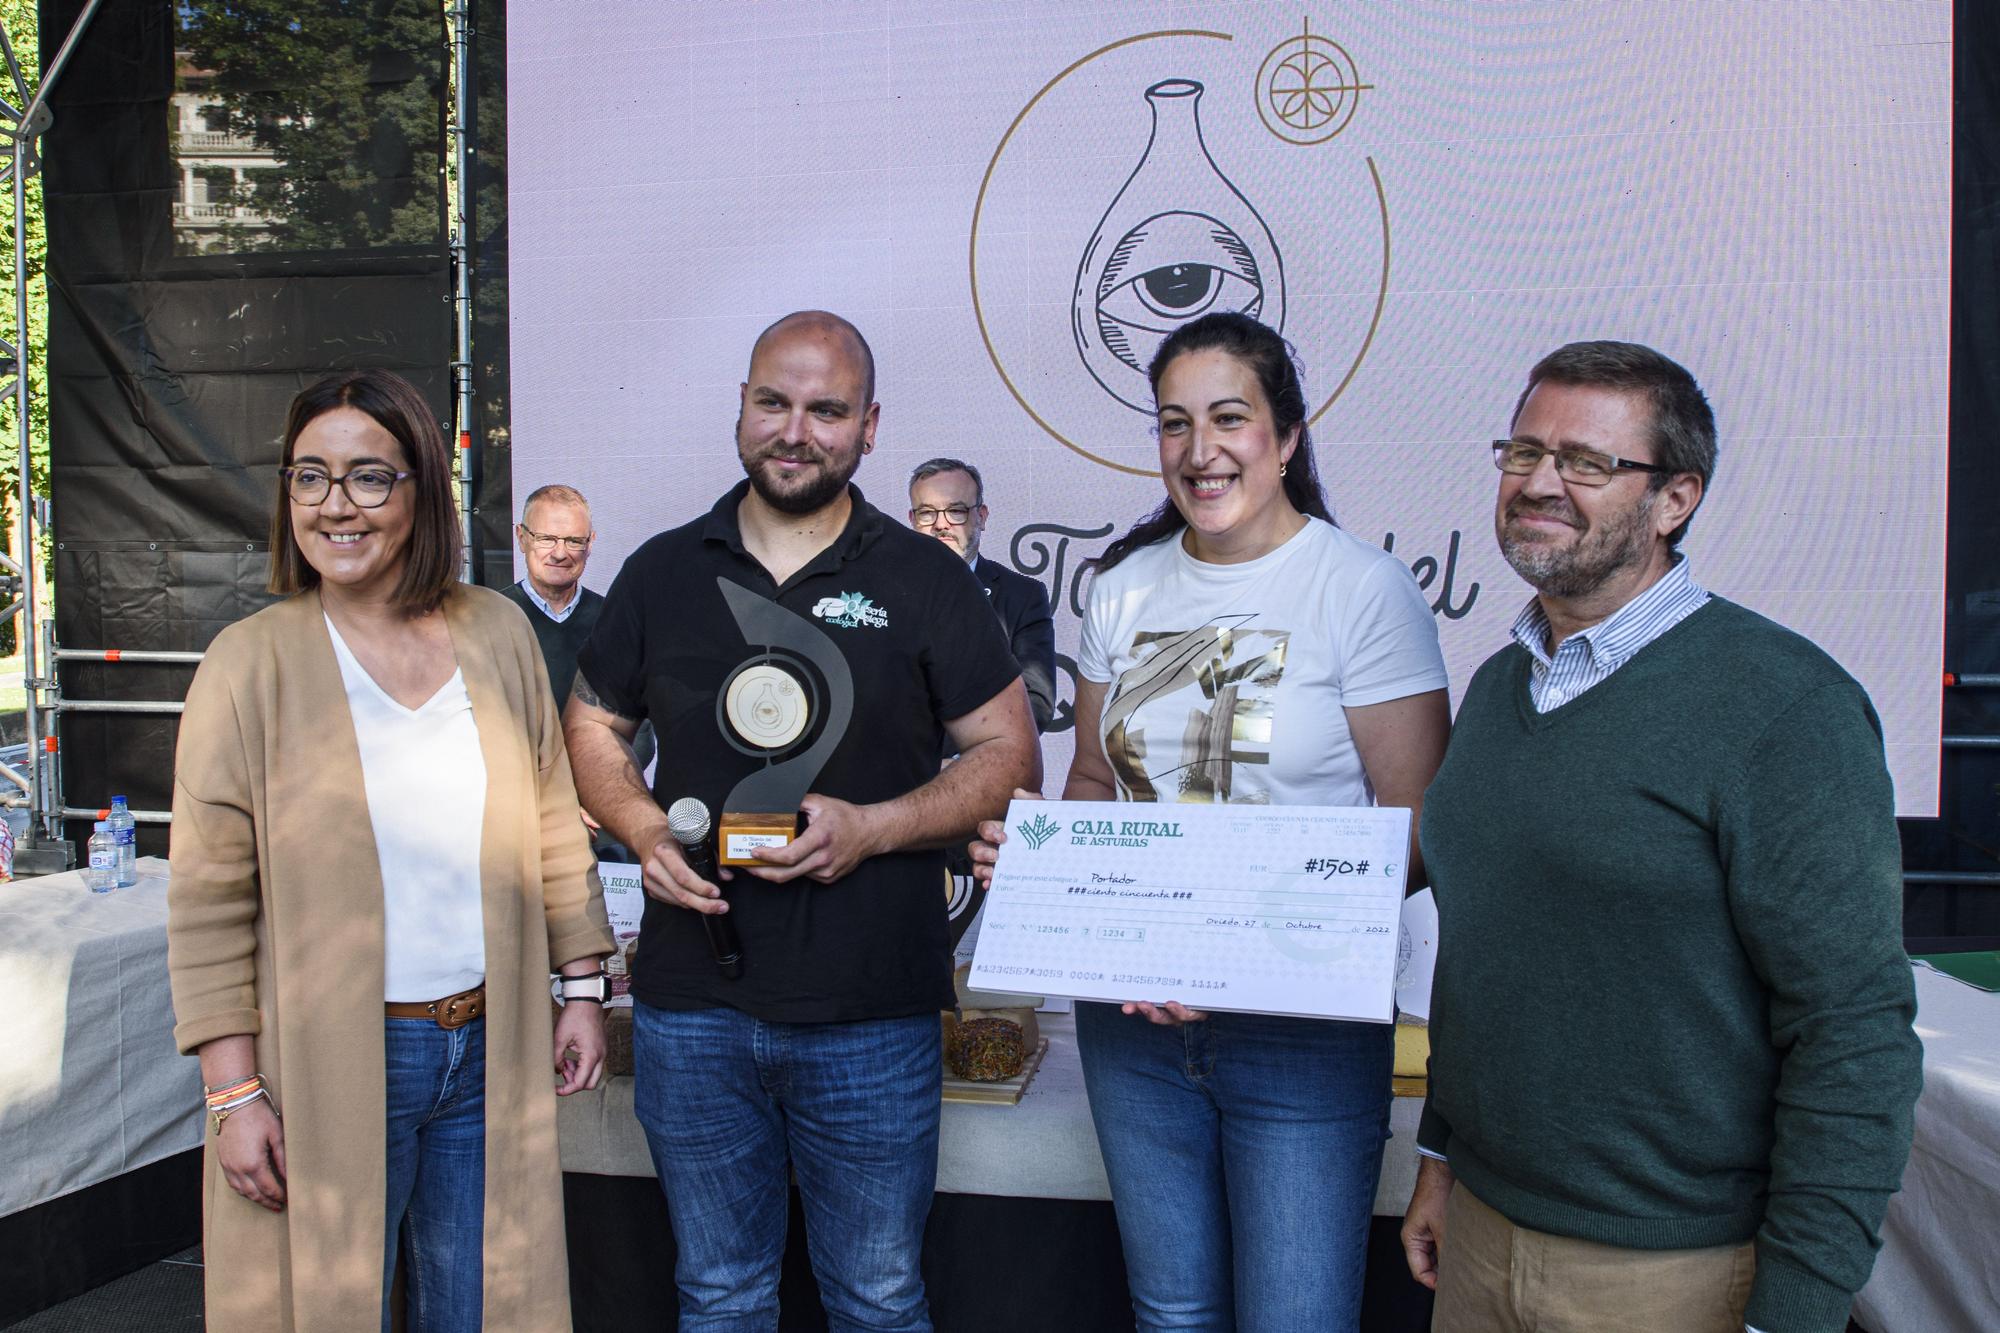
<point>788,705</point>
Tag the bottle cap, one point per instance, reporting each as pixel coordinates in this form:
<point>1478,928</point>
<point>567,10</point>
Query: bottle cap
<point>118,800</point>
<point>103,826</point>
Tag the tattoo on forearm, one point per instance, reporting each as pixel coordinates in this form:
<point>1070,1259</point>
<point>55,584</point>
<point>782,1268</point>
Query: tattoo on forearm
<point>580,689</point>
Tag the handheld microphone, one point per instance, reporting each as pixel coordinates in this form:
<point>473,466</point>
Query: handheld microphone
<point>688,821</point>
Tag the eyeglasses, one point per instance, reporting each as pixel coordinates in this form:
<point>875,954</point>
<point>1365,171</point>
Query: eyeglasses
<point>546,541</point>
<point>927,517</point>
<point>1585,467</point>
<point>366,487</point>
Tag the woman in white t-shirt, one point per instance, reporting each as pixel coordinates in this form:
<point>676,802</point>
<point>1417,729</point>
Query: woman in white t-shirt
<point>1240,648</point>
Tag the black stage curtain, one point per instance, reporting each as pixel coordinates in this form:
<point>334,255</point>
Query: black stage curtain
<point>241,197</point>
<point>1966,835</point>
<point>991,1265</point>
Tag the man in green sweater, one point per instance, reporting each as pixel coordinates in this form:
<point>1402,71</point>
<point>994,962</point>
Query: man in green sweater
<point>1672,1069</point>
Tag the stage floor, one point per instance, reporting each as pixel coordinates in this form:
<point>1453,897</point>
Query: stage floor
<point>162,1297</point>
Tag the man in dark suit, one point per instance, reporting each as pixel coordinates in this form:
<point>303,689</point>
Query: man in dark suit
<point>948,502</point>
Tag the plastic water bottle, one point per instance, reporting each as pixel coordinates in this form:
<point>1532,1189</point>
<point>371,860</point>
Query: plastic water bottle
<point>102,874</point>
<point>125,832</point>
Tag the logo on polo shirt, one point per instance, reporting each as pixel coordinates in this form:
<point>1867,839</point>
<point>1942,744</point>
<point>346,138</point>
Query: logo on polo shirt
<point>851,610</point>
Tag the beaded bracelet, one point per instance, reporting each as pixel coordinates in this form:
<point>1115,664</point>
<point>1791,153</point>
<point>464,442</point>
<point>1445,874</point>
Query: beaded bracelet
<point>226,1092</point>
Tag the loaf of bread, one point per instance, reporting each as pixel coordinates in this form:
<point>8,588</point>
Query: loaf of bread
<point>986,1050</point>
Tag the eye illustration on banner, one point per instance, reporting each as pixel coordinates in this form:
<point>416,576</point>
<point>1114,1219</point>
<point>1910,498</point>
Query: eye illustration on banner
<point>1179,242</point>
<point>1192,177</point>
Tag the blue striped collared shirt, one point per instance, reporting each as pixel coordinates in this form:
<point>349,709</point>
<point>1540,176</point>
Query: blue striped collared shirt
<point>1589,657</point>
<point>575,600</point>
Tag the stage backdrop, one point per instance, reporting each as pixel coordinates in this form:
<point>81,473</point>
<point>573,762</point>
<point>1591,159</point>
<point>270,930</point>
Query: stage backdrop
<point>1016,202</point>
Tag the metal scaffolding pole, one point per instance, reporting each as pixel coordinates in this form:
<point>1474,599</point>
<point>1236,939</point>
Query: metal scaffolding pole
<point>459,16</point>
<point>44,847</point>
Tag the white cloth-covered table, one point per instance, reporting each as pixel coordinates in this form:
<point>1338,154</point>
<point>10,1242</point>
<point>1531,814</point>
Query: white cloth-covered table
<point>90,1084</point>
<point>1044,1148</point>
<point>1939,1269</point>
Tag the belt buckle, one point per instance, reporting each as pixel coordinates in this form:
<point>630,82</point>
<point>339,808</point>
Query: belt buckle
<point>460,1009</point>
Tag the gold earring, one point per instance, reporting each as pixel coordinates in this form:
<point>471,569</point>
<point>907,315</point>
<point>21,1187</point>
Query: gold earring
<point>1281,469</point>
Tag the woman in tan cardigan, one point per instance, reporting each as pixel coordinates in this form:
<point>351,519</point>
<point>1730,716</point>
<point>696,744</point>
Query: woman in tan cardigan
<point>377,857</point>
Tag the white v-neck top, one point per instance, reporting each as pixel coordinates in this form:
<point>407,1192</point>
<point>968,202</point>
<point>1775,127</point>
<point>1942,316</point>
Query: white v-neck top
<point>426,782</point>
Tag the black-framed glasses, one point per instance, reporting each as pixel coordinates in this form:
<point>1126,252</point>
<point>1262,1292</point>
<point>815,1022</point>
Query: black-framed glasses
<point>547,541</point>
<point>366,487</point>
<point>1585,467</point>
<point>927,517</point>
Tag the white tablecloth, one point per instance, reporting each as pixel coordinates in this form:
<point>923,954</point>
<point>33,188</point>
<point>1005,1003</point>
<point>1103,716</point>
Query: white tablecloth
<point>90,1084</point>
<point>1939,1270</point>
<point>1043,1148</point>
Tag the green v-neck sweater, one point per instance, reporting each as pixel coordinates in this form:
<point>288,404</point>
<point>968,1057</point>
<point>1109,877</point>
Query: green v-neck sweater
<point>1672,1008</point>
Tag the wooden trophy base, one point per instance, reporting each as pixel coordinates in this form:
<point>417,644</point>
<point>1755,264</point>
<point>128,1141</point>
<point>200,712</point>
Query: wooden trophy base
<point>741,833</point>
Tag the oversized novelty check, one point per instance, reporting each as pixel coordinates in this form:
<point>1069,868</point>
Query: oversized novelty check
<point>1270,909</point>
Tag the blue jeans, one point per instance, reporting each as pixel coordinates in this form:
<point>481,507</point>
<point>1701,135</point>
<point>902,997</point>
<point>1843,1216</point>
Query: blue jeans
<point>726,1100</point>
<point>437,1171</point>
<point>1243,1153</point>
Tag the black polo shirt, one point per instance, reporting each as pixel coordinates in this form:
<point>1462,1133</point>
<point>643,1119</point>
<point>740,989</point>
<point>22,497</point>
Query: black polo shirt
<point>924,647</point>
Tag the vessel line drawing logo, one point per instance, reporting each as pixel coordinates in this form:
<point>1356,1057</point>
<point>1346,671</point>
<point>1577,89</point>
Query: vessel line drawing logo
<point>1205,219</point>
<point>1179,241</point>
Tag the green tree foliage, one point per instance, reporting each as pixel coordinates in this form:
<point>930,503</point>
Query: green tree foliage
<point>19,17</point>
<point>347,96</point>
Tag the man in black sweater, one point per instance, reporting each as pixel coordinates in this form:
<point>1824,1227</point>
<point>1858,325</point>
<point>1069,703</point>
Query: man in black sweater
<point>555,535</point>
<point>1672,1070</point>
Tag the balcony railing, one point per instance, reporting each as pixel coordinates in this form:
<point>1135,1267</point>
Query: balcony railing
<point>195,214</point>
<point>219,141</point>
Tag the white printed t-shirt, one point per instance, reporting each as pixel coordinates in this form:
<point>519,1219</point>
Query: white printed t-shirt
<point>1227,682</point>
<point>425,777</point>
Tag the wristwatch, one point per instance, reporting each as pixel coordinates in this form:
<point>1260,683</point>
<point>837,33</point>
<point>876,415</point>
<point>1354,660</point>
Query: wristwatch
<point>589,986</point>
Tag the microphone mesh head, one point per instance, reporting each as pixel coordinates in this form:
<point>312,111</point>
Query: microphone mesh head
<point>687,820</point>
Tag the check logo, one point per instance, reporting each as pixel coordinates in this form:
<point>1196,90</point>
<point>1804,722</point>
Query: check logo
<point>1038,831</point>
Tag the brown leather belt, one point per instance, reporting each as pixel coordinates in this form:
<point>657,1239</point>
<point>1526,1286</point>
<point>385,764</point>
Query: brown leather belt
<point>453,1011</point>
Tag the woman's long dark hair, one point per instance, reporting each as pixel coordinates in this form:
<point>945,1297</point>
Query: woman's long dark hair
<point>1264,351</point>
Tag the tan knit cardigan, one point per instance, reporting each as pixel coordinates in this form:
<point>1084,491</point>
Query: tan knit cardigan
<point>275,928</point>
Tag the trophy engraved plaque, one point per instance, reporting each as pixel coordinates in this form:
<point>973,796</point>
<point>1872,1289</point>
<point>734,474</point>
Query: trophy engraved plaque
<point>787,704</point>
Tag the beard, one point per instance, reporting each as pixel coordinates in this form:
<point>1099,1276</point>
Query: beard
<point>1616,542</point>
<point>960,542</point>
<point>806,494</point>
